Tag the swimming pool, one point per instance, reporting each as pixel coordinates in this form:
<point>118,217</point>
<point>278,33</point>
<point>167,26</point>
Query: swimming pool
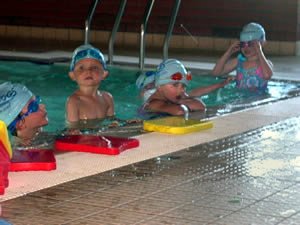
<point>52,84</point>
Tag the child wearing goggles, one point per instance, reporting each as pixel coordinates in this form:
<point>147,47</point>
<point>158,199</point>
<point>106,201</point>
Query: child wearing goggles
<point>171,79</point>
<point>21,111</point>
<point>253,69</point>
<point>88,69</point>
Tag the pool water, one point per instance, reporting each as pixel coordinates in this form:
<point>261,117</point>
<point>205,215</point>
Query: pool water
<point>53,85</point>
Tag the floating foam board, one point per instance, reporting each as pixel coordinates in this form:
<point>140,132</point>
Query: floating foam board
<point>32,160</point>
<point>176,125</point>
<point>4,138</point>
<point>95,144</point>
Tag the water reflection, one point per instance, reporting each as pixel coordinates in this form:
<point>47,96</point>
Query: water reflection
<point>272,134</point>
<point>297,136</point>
<point>264,167</point>
<point>296,163</point>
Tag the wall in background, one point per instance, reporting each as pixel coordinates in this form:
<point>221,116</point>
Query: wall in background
<point>214,23</point>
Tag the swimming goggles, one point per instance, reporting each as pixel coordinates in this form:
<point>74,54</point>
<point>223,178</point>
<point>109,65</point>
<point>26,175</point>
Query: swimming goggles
<point>244,44</point>
<point>88,53</point>
<point>179,76</point>
<point>32,107</point>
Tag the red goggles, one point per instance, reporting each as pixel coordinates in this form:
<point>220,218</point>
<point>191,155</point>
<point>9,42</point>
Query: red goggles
<point>179,76</point>
<point>246,44</point>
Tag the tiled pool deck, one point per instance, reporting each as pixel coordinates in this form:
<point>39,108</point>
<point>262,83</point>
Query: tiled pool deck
<point>245,170</point>
<point>249,178</point>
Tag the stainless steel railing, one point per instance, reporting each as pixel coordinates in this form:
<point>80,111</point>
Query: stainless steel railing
<point>114,32</point>
<point>170,28</point>
<point>143,33</point>
<point>143,27</point>
<point>88,21</point>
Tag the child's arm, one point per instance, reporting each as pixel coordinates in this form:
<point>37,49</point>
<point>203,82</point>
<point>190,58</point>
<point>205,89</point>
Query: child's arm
<point>175,109</point>
<point>163,107</point>
<point>72,109</point>
<point>193,104</point>
<point>110,103</point>
<point>224,65</point>
<point>207,89</point>
<point>266,65</point>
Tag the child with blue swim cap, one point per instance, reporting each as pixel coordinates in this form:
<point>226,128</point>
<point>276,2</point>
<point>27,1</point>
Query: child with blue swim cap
<point>145,84</point>
<point>88,69</point>
<point>21,111</point>
<point>253,69</point>
<point>170,81</point>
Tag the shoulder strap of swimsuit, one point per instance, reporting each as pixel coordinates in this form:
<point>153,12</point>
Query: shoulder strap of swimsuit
<point>239,64</point>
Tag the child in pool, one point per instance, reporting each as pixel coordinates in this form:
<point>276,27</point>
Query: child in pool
<point>22,112</point>
<point>145,84</point>
<point>88,69</point>
<point>253,69</point>
<point>169,94</point>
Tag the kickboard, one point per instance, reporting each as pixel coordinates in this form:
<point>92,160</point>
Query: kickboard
<point>176,125</point>
<point>32,160</point>
<point>95,144</point>
<point>4,138</point>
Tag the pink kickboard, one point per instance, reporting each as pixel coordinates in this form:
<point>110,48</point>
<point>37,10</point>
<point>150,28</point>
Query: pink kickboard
<point>95,144</point>
<point>4,167</point>
<point>33,160</point>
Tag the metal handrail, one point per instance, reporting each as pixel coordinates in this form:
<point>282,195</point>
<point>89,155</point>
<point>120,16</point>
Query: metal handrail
<point>114,32</point>
<point>170,28</point>
<point>143,33</point>
<point>186,111</point>
<point>88,21</point>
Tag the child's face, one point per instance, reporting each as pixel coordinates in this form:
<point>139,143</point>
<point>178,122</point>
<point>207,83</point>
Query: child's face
<point>34,119</point>
<point>173,92</point>
<point>248,48</point>
<point>88,72</point>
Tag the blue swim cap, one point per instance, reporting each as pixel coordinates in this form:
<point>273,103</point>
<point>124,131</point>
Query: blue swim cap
<point>170,67</point>
<point>144,79</point>
<point>253,31</point>
<point>87,51</point>
<point>13,98</point>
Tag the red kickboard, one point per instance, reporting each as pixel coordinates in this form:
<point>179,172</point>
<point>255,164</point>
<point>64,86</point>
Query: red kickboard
<point>32,160</point>
<point>95,144</point>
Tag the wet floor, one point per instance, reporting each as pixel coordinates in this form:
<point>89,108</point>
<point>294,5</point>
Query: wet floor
<point>249,178</point>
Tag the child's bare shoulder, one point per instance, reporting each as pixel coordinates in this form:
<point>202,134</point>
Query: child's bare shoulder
<point>73,99</point>
<point>105,93</point>
<point>107,97</point>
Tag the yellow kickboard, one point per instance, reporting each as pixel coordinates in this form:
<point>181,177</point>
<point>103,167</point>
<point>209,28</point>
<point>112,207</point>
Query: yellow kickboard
<point>4,138</point>
<point>176,125</point>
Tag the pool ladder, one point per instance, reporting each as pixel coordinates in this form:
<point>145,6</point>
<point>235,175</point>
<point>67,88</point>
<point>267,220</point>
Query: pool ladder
<point>143,27</point>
